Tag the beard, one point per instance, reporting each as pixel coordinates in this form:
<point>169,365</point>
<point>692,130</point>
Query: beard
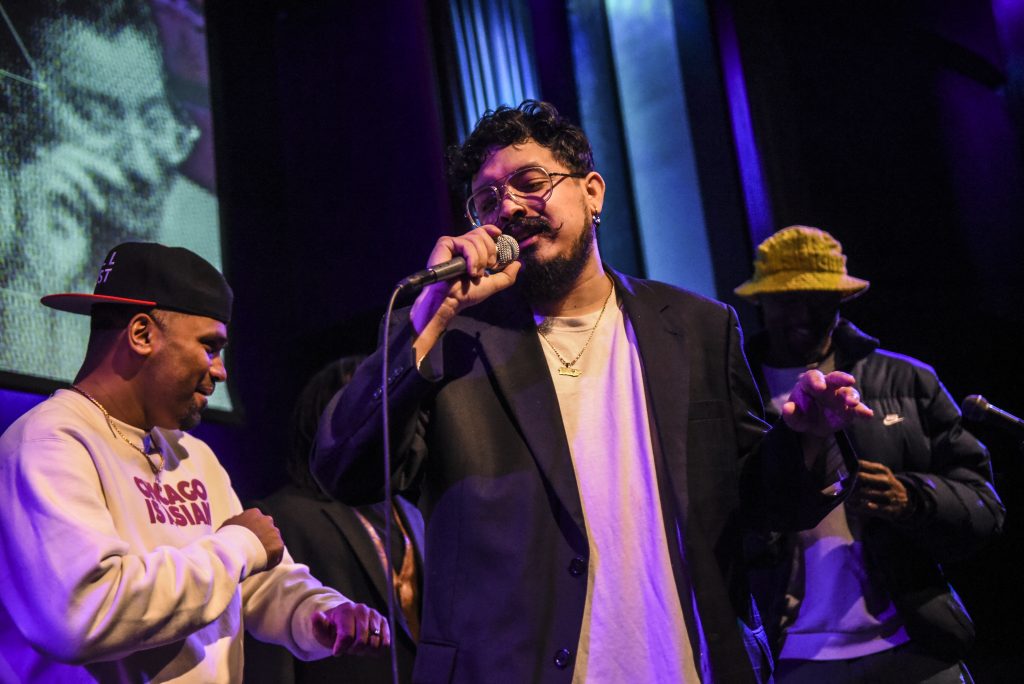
<point>551,280</point>
<point>193,415</point>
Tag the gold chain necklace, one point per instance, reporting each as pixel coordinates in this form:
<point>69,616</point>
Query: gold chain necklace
<point>567,366</point>
<point>156,468</point>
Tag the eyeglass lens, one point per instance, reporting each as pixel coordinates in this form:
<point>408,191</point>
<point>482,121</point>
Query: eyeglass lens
<point>525,185</point>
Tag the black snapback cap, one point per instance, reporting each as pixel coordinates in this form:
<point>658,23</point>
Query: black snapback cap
<point>150,274</point>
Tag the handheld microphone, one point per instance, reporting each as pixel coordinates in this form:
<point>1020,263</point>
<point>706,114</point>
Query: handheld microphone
<point>508,251</point>
<point>976,408</point>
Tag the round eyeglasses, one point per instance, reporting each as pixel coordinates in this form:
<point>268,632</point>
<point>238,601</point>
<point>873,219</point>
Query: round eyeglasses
<point>530,187</point>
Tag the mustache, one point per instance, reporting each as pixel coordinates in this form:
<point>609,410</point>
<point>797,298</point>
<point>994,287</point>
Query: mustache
<point>527,227</point>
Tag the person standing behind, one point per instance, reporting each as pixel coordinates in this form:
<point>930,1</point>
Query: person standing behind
<point>125,555</point>
<point>861,597</point>
<point>343,547</point>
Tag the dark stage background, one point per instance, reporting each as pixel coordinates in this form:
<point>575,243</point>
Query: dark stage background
<point>895,126</point>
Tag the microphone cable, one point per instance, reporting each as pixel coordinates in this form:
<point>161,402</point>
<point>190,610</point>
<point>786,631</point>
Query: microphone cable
<point>508,251</point>
<point>389,567</point>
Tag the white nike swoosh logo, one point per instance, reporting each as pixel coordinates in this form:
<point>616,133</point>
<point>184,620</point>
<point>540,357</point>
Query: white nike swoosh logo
<point>892,419</point>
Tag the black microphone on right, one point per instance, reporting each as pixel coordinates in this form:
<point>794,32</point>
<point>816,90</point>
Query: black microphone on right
<point>977,409</point>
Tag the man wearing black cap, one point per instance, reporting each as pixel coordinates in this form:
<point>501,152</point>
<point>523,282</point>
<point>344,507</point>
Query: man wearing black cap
<point>124,552</point>
<point>861,597</point>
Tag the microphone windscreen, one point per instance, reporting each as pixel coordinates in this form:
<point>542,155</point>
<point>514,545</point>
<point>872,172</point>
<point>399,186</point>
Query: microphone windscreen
<point>974,407</point>
<point>508,250</point>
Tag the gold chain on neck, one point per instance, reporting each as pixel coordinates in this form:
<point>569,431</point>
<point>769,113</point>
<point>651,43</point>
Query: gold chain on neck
<point>567,366</point>
<point>157,468</point>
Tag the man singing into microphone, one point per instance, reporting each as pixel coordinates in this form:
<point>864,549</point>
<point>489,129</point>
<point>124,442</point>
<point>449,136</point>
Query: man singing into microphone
<point>861,596</point>
<point>588,446</point>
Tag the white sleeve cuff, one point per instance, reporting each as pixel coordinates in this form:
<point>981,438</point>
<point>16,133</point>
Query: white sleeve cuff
<point>246,541</point>
<point>302,623</point>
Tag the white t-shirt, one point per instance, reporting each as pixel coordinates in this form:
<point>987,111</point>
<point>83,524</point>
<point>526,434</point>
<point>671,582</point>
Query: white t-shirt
<point>633,628</point>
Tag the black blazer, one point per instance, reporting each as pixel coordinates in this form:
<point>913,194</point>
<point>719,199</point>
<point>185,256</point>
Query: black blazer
<point>328,537</point>
<point>478,429</point>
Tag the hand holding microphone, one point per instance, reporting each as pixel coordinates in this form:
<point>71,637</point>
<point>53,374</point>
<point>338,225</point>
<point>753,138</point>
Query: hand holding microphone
<point>506,251</point>
<point>483,261</point>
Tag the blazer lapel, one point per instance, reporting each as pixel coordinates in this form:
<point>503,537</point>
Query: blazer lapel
<point>413,521</point>
<point>666,363</point>
<point>348,522</point>
<point>665,358</point>
<point>514,358</point>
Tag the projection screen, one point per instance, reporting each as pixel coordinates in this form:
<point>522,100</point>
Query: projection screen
<point>105,137</point>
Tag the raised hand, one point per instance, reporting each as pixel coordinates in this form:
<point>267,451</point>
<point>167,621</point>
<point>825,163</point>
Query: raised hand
<point>821,405</point>
<point>437,304</point>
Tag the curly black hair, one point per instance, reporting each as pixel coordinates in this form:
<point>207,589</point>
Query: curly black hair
<point>531,120</point>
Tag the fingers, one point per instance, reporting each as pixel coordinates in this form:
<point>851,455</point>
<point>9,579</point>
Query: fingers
<point>839,379</point>
<point>813,381</point>
<point>477,247</point>
<point>380,635</point>
<point>834,393</point>
<point>491,230</point>
<point>865,506</point>
<point>324,630</point>
<point>875,481</point>
<point>439,302</point>
<point>106,170</point>
<point>275,554</point>
<point>372,633</point>
<point>794,416</point>
<point>836,383</point>
<point>347,630</point>
<point>77,173</point>
<point>480,253</point>
<point>851,402</point>
<point>878,492</point>
<point>263,527</point>
<point>874,467</point>
<point>875,491</point>
<point>863,411</point>
<point>363,630</point>
<point>848,395</point>
<point>506,276</point>
<point>355,629</point>
<point>876,506</point>
<point>842,385</point>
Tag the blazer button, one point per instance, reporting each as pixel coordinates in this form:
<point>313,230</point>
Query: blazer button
<point>562,658</point>
<point>577,566</point>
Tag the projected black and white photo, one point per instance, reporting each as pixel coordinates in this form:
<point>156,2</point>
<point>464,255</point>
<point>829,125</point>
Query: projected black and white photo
<point>105,136</point>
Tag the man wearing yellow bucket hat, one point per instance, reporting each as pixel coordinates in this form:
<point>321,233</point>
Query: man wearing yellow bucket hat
<point>861,597</point>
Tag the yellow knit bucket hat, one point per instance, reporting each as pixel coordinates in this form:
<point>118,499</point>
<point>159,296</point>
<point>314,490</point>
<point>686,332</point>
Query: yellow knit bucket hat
<point>797,259</point>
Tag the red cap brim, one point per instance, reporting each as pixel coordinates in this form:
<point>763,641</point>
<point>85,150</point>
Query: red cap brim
<point>75,302</point>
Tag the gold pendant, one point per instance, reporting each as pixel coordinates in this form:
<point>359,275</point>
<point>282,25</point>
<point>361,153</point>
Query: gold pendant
<point>571,372</point>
